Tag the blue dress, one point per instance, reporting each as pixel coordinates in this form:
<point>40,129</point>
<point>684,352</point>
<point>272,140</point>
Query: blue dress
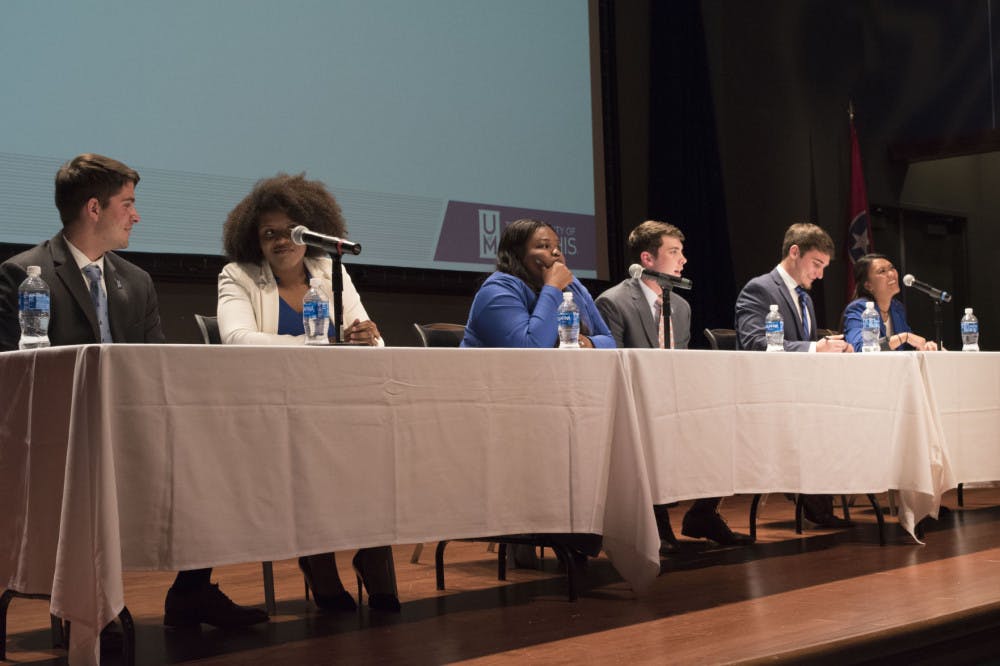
<point>290,321</point>
<point>507,313</point>
<point>852,322</point>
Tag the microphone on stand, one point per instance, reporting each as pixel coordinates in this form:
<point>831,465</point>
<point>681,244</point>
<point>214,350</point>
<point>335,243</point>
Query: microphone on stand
<point>935,293</point>
<point>302,236</point>
<point>637,271</point>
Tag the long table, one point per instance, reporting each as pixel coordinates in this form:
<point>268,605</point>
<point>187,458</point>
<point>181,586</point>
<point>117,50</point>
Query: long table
<point>180,457</point>
<point>965,388</point>
<point>714,424</point>
<point>172,457</point>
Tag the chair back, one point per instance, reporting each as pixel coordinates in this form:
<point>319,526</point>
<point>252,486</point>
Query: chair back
<point>721,338</point>
<point>440,335</point>
<point>209,327</point>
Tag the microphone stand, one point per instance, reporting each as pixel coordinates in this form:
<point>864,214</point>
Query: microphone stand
<point>938,319</point>
<point>337,280</point>
<point>667,287</point>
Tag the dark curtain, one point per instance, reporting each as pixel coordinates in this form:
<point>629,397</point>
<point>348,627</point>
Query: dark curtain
<point>685,173</point>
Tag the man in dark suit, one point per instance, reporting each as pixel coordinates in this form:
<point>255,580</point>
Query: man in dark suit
<point>97,218</point>
<point>632,310</point>
<point>806,252</point>
<point>96,296</point>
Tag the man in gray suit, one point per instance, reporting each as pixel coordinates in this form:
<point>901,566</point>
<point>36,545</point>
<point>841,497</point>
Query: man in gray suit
<point>632,310</point>
<point>805,253</point>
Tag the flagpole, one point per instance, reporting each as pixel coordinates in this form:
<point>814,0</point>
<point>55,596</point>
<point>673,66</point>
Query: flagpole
<point>859,231</point>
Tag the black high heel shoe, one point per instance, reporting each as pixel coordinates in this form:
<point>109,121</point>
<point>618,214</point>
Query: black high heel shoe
<point>339,601</point>
<point>374,572</point>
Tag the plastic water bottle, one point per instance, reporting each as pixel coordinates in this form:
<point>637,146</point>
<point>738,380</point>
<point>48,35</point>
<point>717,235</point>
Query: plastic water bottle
<point>774,327</point>
<point>569,323</point>
<point>870,328</point>
<point>970,331</point>
<point>33,310</point>
<point>316,314</point>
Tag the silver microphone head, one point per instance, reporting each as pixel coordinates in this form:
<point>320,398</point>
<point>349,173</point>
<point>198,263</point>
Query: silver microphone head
<point>908,279</point>
<point>635,270</point>
<point>297,234</point>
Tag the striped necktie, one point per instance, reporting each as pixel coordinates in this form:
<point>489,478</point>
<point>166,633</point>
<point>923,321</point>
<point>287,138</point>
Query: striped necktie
<point>100,299</point>
<point>804,308</point>
<point>660,328</point>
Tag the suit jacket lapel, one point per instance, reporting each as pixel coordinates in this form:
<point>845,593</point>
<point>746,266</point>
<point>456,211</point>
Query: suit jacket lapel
<point>791,305</point>
<point>69,273</point>
<point>645,315</point>
<point>118,299</point>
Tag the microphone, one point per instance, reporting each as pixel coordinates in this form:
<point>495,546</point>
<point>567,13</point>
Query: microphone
<point>933,292</point>
<point>636,271</point>
<point>302,236</point>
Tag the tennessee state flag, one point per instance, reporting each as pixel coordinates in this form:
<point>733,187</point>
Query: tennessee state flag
<point>859,229</point>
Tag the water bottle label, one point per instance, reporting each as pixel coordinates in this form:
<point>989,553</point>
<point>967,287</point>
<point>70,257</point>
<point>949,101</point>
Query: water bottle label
<point>309,309</point>
<point>970,327</point>
<point>322,309</point>
<point>776,326</point>
<point>870,322</point>
<point>569,318</point>
<point>33,301</point>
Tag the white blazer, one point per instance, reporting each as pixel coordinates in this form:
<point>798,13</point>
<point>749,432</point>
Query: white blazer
<point>248,302</point>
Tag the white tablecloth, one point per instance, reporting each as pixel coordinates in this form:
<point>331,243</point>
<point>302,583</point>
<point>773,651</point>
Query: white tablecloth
<point>177,457</point>
<point>966,389</point>
<point>715,423</point>
<point>180,457</point>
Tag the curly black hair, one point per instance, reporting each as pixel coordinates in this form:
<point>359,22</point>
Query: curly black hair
<point>305,202</point>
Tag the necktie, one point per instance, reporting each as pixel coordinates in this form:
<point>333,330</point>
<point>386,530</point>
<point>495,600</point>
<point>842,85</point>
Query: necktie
<point>100,299</point>
<point>804,307</point>
<point>660,337</point>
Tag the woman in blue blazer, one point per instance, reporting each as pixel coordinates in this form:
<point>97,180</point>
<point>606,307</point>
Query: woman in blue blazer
<point>876,279</point>
<point>517,305</point>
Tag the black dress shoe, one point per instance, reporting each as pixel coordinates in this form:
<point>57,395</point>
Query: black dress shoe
<point>112,641</point>
<point>209,605</point>
<point>334,601</point>
<point>668,548</point>
<point>829,520</point>
<point>388,603</point>
<point>712,526</point>
<point>374,568</point>
<point>522,556</point>
<point>579,559</point>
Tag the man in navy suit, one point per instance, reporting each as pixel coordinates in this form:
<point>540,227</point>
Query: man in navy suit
<point>632,310</point>
<point>98,297</point>
<point>805,253</point>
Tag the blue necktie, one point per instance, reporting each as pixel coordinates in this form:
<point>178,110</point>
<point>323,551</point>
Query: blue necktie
<point>100,299</point>
<point>804,307</point>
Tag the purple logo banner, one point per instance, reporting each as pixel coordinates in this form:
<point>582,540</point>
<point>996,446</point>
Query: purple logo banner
<point>471,233</point>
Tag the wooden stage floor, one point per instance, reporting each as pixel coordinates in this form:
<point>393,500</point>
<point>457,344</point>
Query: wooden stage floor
<point>826,597</point>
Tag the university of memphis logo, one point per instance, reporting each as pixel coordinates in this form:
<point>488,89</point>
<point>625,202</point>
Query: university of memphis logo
<point>470,233</point>
<point>489,233</point>
<point>490,228</point>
